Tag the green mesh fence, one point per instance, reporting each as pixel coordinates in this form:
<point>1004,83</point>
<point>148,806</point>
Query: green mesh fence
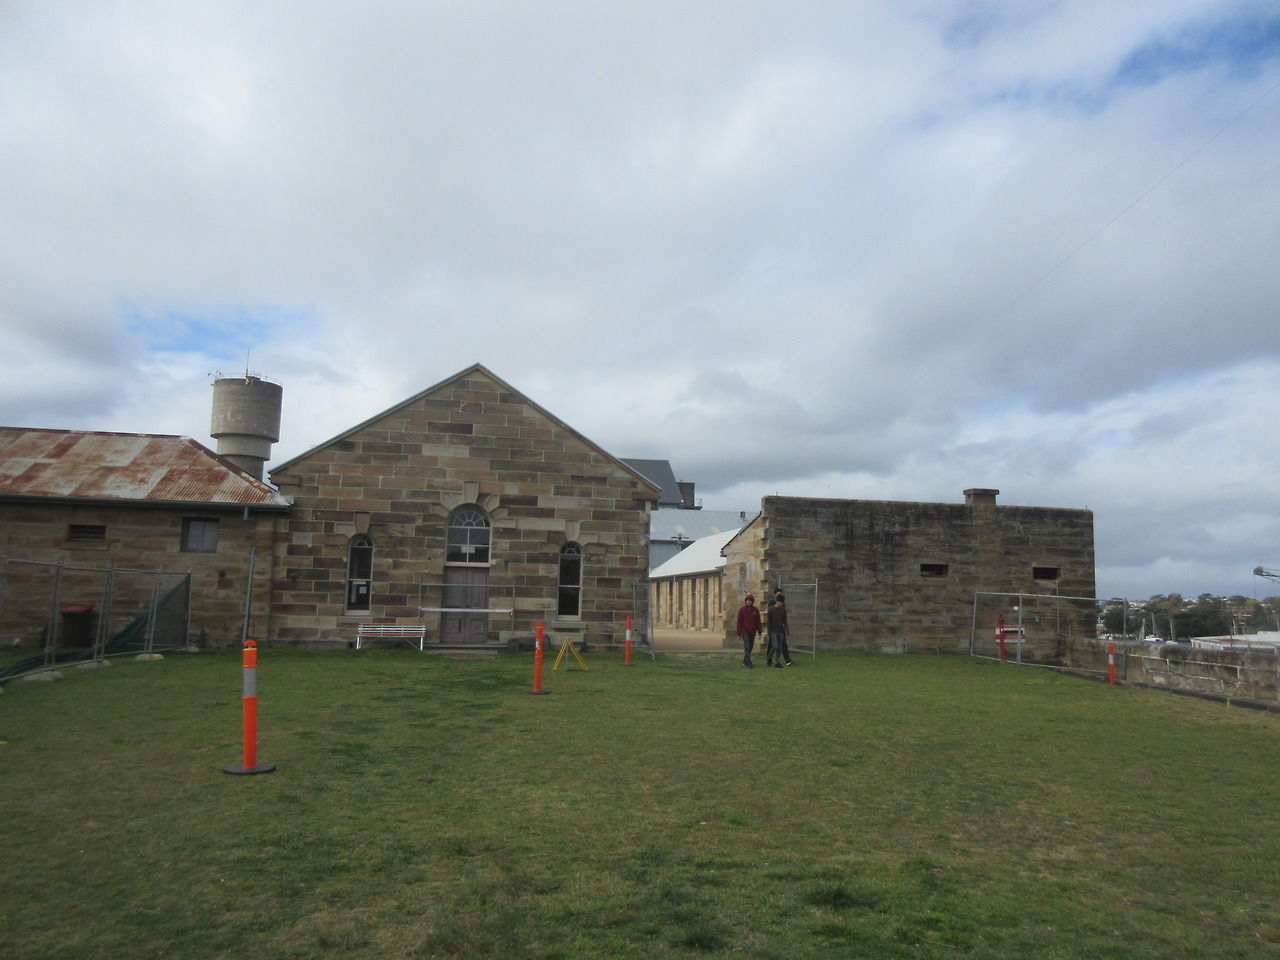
<point>113,596</point>
<point>169,632</point>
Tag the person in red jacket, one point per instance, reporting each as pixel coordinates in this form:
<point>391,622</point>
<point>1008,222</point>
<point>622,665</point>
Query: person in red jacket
<point>748,628</point>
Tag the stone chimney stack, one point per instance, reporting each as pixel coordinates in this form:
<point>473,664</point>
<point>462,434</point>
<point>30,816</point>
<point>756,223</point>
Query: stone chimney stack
<point>978,497</point>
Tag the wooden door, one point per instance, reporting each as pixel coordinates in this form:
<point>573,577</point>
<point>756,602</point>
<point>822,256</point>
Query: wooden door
<point>465,588</point>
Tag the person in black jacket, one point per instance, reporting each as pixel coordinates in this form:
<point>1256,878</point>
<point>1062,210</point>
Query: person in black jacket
<point>776,617</point>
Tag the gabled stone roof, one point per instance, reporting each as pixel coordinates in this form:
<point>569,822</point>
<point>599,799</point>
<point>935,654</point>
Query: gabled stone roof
<point>461,374</point>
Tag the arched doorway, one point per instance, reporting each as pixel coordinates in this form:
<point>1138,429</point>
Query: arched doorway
<point>466,577</point>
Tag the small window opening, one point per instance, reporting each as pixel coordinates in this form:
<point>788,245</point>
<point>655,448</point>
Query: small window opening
<point>933,569</point>
<point>1044,573</point>
<point>199,536</point>
<point>86,532</point>
<point>359,572</point>
<point>570,604</point>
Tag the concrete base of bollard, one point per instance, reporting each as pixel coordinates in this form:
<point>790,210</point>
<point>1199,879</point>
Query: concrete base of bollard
<point>250,771</point>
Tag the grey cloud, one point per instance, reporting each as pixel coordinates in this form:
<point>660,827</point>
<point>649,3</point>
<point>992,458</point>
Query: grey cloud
<point>718,234</point>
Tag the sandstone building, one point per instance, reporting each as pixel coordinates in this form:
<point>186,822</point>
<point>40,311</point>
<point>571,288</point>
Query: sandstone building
<point>903,576</point>
<point>685,592</point>
<point>474,511</point>
<point>134,503</point>
<point>467,506</point>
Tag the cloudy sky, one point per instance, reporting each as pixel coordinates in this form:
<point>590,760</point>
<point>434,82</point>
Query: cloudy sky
<point>879,250</point>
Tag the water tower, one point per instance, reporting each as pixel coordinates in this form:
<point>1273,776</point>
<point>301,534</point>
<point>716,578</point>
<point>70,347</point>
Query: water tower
<point>246,420</point>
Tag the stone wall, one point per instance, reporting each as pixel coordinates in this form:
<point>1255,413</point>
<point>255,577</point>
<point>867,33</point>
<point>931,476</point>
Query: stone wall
<point>902,576</point>
<point>136,538</point>
<point>1246,674</point>
<point>396,478</point>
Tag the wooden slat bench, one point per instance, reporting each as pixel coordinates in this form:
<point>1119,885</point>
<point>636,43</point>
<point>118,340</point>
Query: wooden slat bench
<point>414,634</point>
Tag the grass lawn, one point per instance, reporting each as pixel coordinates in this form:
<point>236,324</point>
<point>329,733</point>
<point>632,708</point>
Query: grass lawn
<point>851,806</point>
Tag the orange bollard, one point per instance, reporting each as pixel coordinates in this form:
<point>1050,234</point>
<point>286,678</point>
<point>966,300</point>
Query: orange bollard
<point>626,660</point>
<point>1111,664</point>
<point>537,661</point>
<point>250,714</point>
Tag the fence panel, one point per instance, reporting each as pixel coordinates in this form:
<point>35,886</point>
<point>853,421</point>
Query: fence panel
<point>802,617</point>
<point>641,621</point>
<point>54,613</point>
<point>1029,628</point>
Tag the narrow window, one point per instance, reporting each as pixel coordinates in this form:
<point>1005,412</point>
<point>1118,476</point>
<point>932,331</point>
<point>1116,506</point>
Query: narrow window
<point>933,569</point>
<point>468,540</point>
<point>359,572</point>
<point>1044,573</point>
<point>570,581</point>
<point>199,536</point>
<point>86,532</point>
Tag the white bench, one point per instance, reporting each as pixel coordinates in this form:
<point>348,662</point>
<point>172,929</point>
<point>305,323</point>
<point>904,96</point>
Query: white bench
<point>414,634</point>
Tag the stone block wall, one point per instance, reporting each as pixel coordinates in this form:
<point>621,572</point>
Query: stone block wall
<point>137,538</point>
<point>396,478</point>
<point>902,576</point>
<point>1243,674</point>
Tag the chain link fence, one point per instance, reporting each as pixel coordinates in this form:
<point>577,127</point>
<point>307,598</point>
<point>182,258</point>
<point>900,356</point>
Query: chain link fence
<point>802,617</point>
<point>641,622</point>
<point>55,613</point>
<point>1030,628</point>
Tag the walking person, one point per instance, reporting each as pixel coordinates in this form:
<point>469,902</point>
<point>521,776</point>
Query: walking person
<point>748,628</point>
<point>776,617</point>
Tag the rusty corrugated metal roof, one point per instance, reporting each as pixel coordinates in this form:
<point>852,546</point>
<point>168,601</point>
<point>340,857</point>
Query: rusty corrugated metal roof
<point>132,467</point>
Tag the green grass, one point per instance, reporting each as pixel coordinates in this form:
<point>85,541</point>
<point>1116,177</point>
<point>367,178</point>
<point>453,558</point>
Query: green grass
<point>852,806</point>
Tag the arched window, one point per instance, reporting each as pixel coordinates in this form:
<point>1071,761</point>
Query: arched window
<point>570,581</point>
<point>468,540</point>
<point>359,572</point>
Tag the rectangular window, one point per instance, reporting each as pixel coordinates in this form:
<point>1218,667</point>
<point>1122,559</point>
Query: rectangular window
<point>86,532</point>
<point>199,536</point>
<point>933,569</point>
<point>1044,573</point>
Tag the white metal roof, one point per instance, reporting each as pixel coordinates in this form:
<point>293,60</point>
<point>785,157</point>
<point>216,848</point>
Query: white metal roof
<point>701,556</point>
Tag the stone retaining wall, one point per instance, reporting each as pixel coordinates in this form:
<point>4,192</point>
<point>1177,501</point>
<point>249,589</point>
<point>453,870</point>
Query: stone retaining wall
<point>1246,675</point>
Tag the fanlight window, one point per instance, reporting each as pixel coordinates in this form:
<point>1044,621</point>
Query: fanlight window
<point>468,540</point>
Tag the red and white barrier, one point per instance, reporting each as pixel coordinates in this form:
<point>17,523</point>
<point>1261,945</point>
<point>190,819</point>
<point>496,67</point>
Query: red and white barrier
<point>250,765</point>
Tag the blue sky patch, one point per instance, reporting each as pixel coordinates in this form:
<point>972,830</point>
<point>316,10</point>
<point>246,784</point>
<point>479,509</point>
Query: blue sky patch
<point>222,334</point>
<point>1244,46</point>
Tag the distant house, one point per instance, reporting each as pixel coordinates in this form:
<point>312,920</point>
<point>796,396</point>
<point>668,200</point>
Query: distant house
<point>678,519</point>
<point>672,493</point>
<point>671,531</point>
<point>89,500</point>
